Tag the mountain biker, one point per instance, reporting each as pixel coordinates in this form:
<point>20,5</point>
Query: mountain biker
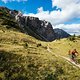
<point>73,54</point>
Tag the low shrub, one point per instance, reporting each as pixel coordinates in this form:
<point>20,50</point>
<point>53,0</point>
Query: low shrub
<point>39,44</point>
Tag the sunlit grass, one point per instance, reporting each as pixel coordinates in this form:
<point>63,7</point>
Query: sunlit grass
<point>24,57</point>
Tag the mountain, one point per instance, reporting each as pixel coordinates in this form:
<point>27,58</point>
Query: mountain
<point>61,33</point>
<point>23,57</point>
<point>40,29</point>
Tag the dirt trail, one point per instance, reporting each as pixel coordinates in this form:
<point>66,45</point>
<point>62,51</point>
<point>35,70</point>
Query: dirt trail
<point>67,59</point>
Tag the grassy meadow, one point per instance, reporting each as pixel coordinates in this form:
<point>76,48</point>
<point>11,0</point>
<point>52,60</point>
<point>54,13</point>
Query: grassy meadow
<point>23,57</point>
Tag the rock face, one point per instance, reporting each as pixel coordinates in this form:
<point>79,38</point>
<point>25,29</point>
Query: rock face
<point>33,26</point>
<point>61,33</point>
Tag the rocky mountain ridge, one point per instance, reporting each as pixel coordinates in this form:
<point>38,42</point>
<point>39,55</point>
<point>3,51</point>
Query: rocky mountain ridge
<point>40,29</point>
<point>61,33</point>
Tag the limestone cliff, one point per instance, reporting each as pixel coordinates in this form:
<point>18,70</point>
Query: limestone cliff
<point>39,29</point>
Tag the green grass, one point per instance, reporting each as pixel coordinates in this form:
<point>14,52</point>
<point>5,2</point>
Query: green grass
<point>23,57</point>
<point>63,46</point>
<point>21,52</point>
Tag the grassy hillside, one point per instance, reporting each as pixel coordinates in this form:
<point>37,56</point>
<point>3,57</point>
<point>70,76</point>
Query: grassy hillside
<point>23,57</point>
<point>64,45</point>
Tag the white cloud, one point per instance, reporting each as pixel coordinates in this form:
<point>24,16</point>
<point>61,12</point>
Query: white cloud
<point>64,3</point>
<point>46,15</point>
<point>70,9</point>
<point>70,28</point>
<point>40,9</point>
<point>5,1</point>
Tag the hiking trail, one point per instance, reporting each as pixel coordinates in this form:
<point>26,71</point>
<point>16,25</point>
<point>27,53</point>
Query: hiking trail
<point>66,58</point>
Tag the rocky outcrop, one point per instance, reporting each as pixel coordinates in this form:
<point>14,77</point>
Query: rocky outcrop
<point>40,29</point>
<point>61,33</point>
<point>33,26</point>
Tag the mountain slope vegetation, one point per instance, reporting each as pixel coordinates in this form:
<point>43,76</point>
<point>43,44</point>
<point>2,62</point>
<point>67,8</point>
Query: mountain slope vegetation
<point>22,57</point>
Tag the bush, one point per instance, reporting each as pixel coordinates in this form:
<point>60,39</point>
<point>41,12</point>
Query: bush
<point>1,78</point>
<point>15,42</point>
<point>25,45</point>
<point>20,77</point>
<point>79,36</point>
<point>38,45</point>
<point>72,38</point>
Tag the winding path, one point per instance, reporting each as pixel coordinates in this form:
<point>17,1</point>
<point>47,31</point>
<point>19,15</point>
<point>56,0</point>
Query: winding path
<point>67,59</point>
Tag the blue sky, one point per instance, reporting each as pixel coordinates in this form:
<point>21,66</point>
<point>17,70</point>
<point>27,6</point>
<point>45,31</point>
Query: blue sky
<point>29,6</point>
<point>64,14</point>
